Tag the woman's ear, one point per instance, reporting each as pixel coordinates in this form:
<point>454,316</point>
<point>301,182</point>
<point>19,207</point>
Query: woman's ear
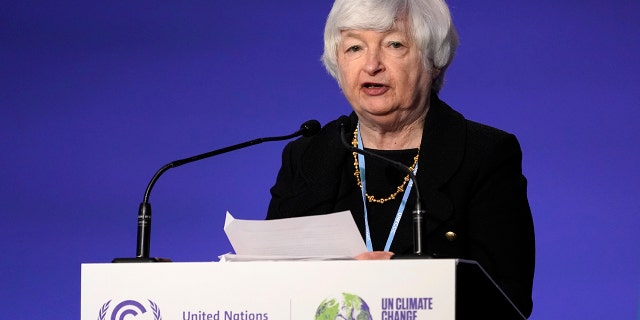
<point>435,73</point>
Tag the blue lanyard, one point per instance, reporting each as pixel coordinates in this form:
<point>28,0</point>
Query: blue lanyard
<point>403,203</point>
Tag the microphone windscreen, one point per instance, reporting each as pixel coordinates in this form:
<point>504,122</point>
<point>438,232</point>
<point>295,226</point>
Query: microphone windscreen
<point>344,122</point>
<point>310,128</point>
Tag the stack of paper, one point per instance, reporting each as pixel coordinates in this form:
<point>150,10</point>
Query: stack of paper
<point>323,237</point>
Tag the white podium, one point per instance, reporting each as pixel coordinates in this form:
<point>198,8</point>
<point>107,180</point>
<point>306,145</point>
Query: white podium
<point>292,290</point>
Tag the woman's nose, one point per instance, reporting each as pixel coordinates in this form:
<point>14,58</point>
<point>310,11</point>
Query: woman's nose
<point>373,63</point>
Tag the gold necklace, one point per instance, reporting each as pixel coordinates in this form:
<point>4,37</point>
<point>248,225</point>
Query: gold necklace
<point>356,164</point>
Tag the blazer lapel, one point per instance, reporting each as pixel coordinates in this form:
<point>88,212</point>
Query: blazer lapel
<point>441,153</point>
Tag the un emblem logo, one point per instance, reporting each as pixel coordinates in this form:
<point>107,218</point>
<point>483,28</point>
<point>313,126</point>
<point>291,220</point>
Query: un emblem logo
<point>128,307</point>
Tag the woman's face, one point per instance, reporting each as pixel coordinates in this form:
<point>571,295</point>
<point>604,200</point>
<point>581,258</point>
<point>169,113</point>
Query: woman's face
<point>382,75</point>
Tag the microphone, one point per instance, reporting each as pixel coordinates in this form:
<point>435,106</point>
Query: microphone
<point>418,212</point>
<point>307,129</point>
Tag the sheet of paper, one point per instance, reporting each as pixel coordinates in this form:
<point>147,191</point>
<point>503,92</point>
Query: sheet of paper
<point>329,236</point>
<point>231,257</point>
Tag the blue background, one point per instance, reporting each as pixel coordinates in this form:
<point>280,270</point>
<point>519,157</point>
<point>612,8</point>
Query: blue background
<point>95,97</point>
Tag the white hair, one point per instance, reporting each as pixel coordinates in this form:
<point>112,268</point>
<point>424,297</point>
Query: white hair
<point>429,24</point>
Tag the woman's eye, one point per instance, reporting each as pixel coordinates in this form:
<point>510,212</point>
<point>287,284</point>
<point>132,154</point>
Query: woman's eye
<point>395,44</point>
<point>354,49</point>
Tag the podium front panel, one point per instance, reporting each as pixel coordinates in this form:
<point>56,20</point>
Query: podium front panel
<point>277,290</point>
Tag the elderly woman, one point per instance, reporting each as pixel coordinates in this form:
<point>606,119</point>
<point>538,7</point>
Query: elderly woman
<point>389,58</point>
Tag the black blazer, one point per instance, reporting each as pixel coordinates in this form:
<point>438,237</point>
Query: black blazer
<point>471,182</point>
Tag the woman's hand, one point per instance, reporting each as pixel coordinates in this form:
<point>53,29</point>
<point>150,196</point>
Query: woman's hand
<point>375,255</point>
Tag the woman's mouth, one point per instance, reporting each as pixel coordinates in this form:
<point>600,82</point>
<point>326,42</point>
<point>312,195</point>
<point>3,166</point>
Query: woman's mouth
<point>374,89</point>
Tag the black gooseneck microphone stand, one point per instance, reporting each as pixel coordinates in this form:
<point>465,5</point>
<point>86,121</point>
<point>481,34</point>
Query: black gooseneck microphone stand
<point>418,212</point>
<point>307,129</point>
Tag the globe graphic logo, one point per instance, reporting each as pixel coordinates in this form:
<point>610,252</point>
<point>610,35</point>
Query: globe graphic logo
<point>345,307</point>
